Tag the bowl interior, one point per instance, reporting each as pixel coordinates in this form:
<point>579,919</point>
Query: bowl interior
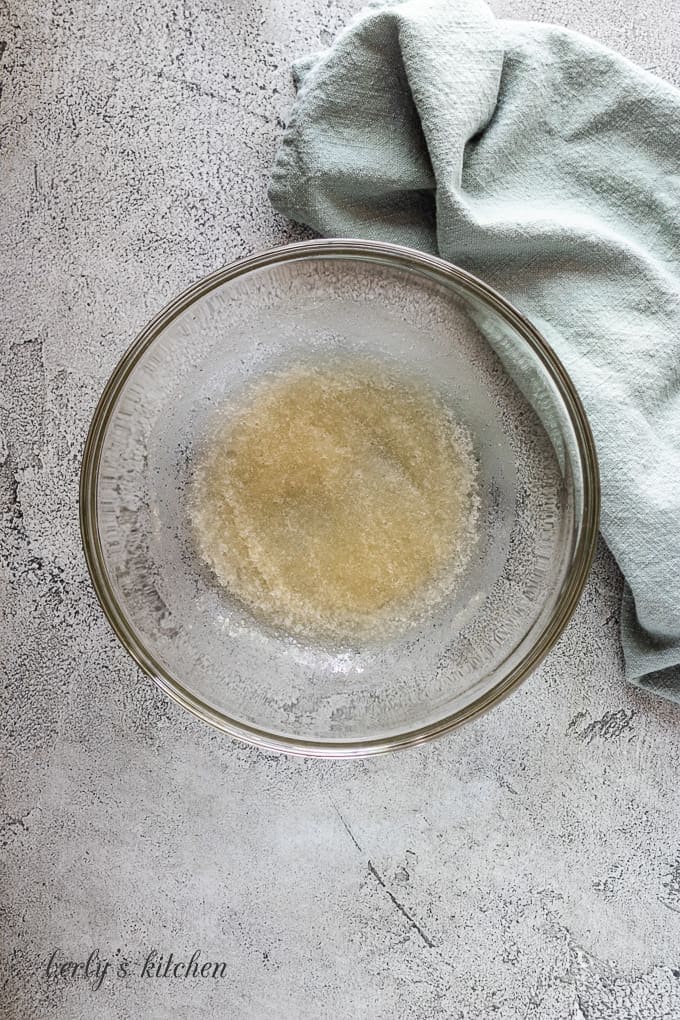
<point>302,305</point>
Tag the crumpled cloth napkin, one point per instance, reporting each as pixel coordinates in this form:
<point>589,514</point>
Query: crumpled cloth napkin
<point>549,166</point>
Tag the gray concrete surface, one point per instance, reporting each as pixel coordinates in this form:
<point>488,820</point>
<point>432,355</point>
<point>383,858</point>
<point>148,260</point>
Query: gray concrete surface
<point>525,866</point>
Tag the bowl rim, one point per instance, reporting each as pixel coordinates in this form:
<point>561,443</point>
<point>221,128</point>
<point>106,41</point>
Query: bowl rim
<point>382,253</point>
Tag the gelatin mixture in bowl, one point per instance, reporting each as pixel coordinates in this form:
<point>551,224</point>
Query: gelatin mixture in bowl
<point>339,498</point>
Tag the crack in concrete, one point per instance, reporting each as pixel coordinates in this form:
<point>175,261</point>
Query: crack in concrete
<point>347,828</point>
<point>383,885</point>
<point>401,908</point>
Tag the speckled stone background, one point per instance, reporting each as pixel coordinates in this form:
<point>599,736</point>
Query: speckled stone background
<point>525,866</point>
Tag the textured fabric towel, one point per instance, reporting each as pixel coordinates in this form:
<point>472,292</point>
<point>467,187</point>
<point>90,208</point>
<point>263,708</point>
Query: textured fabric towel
<point>550,167</point>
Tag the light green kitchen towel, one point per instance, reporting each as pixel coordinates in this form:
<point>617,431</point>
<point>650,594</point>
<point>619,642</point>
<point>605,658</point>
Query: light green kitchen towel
<point>550,167</point>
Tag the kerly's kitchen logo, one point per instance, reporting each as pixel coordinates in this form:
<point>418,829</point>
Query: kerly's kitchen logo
<point>96,968</point>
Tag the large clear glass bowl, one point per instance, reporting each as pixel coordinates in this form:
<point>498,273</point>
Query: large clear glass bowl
<point>539,498</point>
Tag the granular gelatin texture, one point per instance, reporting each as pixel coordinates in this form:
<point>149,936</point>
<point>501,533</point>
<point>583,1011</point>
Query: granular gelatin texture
<point>337,500</point>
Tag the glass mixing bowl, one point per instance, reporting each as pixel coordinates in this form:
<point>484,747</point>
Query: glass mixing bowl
<point>538,485</point>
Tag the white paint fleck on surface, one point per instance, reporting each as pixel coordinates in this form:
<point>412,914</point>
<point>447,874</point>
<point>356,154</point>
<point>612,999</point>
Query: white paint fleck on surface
<point>525,866</point>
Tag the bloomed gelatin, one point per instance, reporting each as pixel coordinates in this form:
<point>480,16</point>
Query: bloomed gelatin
<point>337,500</point>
